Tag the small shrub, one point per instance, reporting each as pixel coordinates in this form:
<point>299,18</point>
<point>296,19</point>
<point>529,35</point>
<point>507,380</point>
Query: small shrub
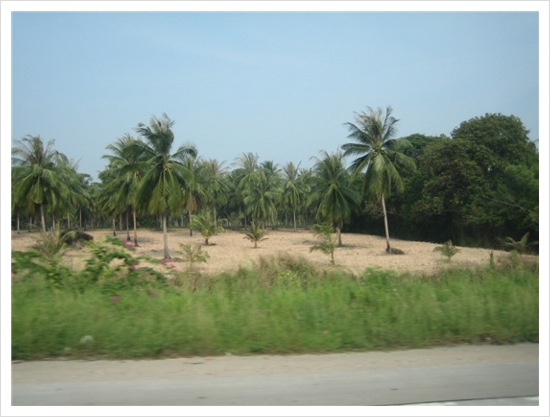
<point>255,235</point>
<point>521,246</point>
<point>447,250</point>
<point>326,244</point>
<point>193,254</point>
<point>206,225</point>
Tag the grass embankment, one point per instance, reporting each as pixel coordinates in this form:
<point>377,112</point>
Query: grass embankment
<point>280,306</point>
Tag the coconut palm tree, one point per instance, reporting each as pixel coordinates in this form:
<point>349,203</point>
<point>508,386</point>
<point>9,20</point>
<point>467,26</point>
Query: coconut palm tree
<point>39,175</point>
<point>255,235</point>
<point>263,193</point>
<point>160,188</point>
<point>126,165</point>
<point>108,205</point>
<point>204,223</point>
<point>244,176</point>
<point>215,184</point>
<point>325,243</point>
<point>75,182</point>
<point>294,191</point>
<point>193,192</point>
<point>375,144</point>
<point>333,193</point>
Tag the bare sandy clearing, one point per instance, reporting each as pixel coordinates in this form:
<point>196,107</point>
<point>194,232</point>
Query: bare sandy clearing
<point>228,250</point>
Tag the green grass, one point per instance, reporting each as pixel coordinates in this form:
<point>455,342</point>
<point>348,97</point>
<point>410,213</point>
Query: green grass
<point>281,305</point>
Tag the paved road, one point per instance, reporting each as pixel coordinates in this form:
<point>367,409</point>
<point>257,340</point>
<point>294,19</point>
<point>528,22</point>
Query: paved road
<point>443,375</point>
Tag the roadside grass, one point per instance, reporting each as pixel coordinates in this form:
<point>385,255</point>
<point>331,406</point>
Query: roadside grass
<point>280,305</point>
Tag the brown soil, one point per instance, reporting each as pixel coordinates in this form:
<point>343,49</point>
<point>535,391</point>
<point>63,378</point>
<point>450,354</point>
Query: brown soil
<point>229,250</point>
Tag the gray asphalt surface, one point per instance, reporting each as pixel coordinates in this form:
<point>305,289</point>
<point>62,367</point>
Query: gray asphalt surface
<point>496,375</point>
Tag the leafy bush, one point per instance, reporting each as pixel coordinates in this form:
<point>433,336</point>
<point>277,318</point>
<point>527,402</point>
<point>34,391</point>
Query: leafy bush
<point>447,250</point>
<point>325,244</point>
<point>521,246</point>
<point>193,254</point>
<point>255,235</point>
<point>206,225</point>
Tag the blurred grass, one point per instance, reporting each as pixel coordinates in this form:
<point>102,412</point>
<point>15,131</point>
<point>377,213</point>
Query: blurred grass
<point>281,305</point>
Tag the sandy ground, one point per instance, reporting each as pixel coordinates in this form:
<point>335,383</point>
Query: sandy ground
<point>229,250</point>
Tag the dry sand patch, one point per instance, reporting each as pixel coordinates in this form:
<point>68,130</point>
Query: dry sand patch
<point>229,250</point>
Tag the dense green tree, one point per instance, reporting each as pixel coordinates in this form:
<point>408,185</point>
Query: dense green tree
<point>414,145</point>
<point>479,186</point>
<point>379,157</point>
<point>160,188</point>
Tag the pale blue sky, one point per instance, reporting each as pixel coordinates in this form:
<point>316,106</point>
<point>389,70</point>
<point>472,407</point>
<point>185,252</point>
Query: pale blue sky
<point>277,84</point>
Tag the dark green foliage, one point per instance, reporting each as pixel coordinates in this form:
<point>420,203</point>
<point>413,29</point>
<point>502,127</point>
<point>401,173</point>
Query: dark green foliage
<point>521,246</point>
<point>395,251</point>
<point>479,185</point>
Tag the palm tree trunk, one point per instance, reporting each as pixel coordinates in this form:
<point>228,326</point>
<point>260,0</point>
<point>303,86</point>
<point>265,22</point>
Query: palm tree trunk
<point>128,239</point>
<point>135,226</point>
<point>190,221</point>
<point>80,218</point>
<point>339,236</point>
<point>53,222</point>
<point>17,221</point>
<point>294,215</point>
<point>388,248</point>
<point>165,236</point>
<point>114,226</point>
<point>120,224</point>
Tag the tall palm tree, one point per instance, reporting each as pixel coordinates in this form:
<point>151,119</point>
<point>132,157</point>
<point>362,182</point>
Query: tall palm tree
<point>108,205</point>
<point>160,188</point>
<point>263,193</point>
<point>245,175</point>
<point>126,165</point>
<point>306,180</point>
<point>193,192</point>
<point>216,185</point>
<point>37,168</point>
<point>375,143</point>
<point>294,191</point>
<point>74,180</point>
<point>333,192</point>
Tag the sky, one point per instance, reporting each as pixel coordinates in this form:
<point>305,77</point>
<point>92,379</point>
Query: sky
<point>279,84</point>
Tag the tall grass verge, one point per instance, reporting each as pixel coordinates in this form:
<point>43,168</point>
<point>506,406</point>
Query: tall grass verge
<point>281,305</point>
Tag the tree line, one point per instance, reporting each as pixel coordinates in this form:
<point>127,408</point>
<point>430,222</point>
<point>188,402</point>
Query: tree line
<point>476,186</point>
